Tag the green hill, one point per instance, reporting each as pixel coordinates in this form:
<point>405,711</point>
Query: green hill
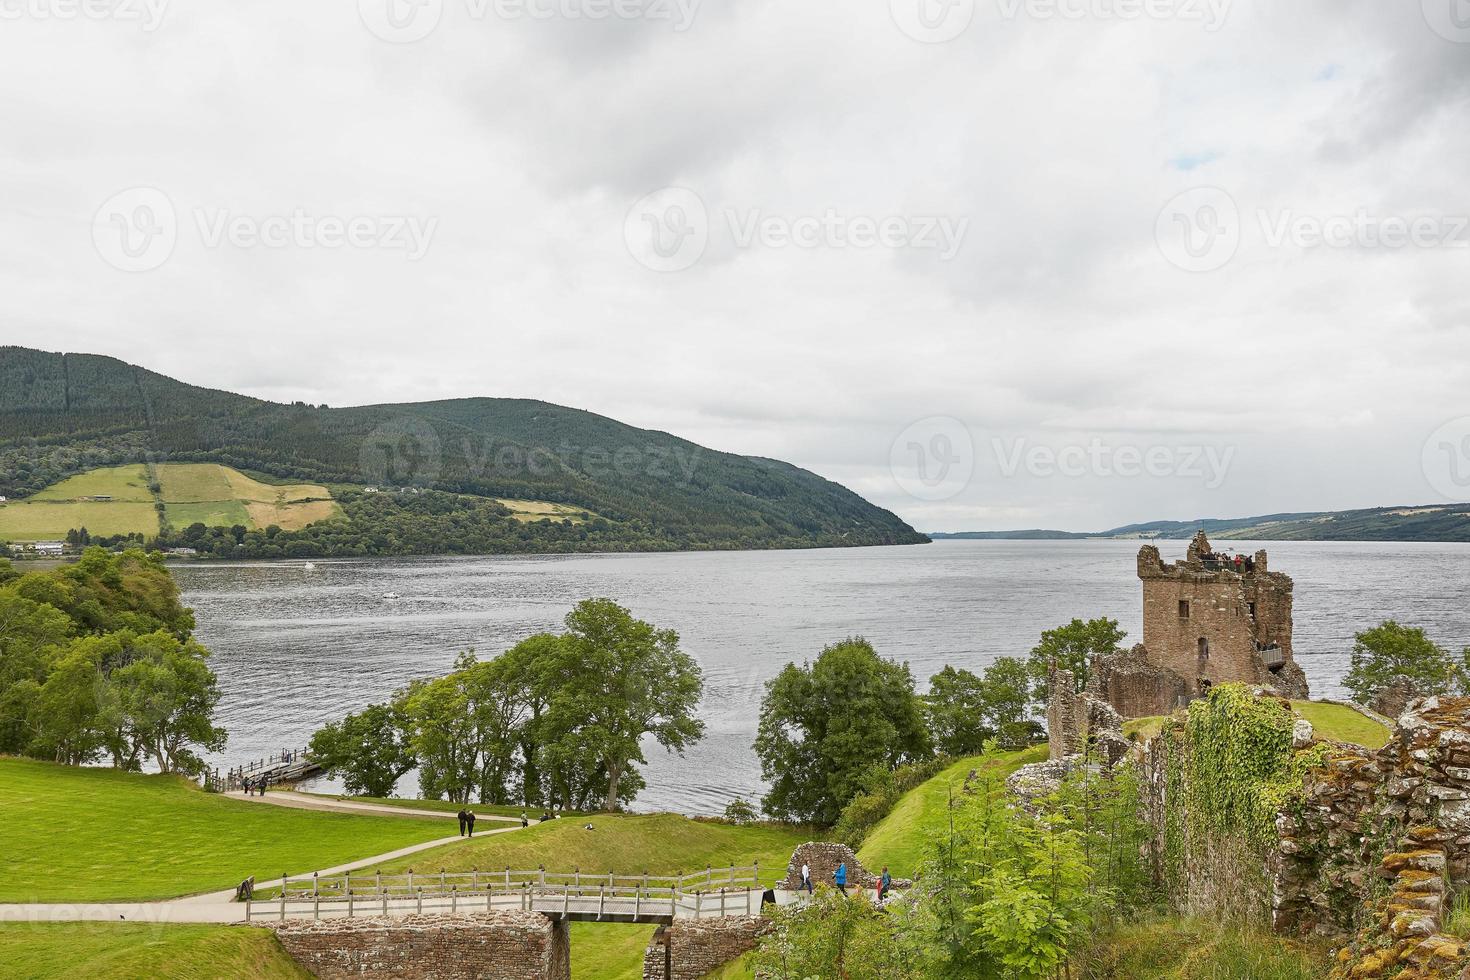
<point>66,414</point>
<point>1430,522</point>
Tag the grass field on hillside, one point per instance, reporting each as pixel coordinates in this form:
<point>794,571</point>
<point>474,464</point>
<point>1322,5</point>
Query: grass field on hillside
<point>126,483</point>
<point>660,844</point>
<point>1344,724</point>
<point>126,951</point>
<point>535,510</point>
<point>900,838</point>
<point>46,520</point>
<point>84,834</point>
<point>192,493</point>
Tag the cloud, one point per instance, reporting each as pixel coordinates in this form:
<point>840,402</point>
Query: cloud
<point>1059,323</point>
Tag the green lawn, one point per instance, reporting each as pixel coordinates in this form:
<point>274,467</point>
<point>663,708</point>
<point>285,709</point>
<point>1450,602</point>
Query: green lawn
<point>899,839</point>
<point>126,951</point>
<point>74,834</point>
<point>194,482</point>
<point>534,812</point>
<point>1344,724</point>
<point>660,844</point>
<point>608,950</point>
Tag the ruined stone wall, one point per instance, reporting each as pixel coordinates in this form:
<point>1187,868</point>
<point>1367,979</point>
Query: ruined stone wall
<point>1271,595</point>
<point>1062,731</point>
<point>823,859</point>
<point>501,945</point>
<point>1135,687</point>
<point>1355,809</point>
<point>689,949</point>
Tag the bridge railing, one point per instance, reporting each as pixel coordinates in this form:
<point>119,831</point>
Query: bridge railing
<point>592,898</point>
<point>234,778</point>
<point>307,887</point>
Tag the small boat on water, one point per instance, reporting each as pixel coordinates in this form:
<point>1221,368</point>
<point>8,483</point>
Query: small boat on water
<point>309,567</point>
<point>390,596</point>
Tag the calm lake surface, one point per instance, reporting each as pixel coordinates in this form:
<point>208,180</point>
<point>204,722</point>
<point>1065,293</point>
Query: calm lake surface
<point>296,647</point>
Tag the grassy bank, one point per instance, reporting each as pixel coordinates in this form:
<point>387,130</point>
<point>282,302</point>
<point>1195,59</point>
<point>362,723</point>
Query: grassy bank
<point>1193,949</point>
<point>126,951</point>
<point>1344,724</point>
<point>99,835</point>
<point>899,839</point>
<point>660,844</point>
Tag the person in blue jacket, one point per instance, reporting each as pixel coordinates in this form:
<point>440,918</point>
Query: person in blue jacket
<point>840,877</point>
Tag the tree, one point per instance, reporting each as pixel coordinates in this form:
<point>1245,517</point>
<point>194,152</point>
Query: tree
<point>166,695</point>
<point>608,683</point>
<point>965,711</point>
<point>368,750</point>
<point>1390,649</point>
<point>823,726</point>
<point>1072,647</point>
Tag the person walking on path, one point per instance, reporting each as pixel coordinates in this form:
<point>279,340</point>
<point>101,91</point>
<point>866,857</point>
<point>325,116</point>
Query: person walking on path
<point>884,883</point>
<point>840,877</point>
<point>470,819</point>
<point>525,820</point>
<point>806,878</point>
<point>463,818</point>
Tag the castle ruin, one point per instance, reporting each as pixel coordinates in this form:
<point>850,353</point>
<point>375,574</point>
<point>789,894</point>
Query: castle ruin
<point>1209,619</point>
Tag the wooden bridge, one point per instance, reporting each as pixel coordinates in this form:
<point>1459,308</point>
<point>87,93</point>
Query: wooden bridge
<point>286,766</point>
<point>576,897</point>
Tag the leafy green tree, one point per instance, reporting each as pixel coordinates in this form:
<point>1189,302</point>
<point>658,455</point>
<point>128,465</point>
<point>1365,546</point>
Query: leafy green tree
<point>1072,647</point>
<point>836,938</point>
<point>167,695</point>
<point>608,683</point>
<point>1390,649</point>
<point>965,711</point>
<point>368,750</point>
<point>442,737</point>
<point>823,726</point>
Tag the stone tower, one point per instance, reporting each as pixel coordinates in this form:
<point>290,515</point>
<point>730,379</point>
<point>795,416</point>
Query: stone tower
<point>1209,619</point>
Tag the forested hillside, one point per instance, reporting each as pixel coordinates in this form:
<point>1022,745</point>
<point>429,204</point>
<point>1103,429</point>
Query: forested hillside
<point>64,414</point>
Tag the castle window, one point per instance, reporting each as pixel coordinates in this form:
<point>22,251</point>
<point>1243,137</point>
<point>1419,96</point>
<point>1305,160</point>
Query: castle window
<point>1252,607</point>
<point>1183,608</point>
<point>1204,648</point>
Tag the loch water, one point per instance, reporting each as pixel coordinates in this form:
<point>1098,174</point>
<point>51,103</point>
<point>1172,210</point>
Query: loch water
<point>298,646</point>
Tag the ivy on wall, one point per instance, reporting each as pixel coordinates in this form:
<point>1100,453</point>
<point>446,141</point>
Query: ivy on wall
<point>1229,770</point>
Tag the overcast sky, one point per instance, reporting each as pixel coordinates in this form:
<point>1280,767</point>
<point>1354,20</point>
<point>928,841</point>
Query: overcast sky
<point>991,264</point>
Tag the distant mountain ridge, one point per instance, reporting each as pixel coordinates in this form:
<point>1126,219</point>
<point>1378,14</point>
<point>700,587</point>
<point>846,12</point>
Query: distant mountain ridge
<point>61,414</point>
<point>1432,522</point>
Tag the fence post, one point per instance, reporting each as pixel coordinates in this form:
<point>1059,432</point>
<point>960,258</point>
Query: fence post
<point>454,899</point>
<point>474,878</point>
<point>316,883</point>
<point>601,901</point>
<point>507,876</point>
<point>420,894</point>
<point>577,877</point>
<point>489,891</point>
<point>542,868</point>
<point>698,903</point>
<point>349,903</point>
<point>410,880</point>
<point>441,879</point>
<point>384,896</point>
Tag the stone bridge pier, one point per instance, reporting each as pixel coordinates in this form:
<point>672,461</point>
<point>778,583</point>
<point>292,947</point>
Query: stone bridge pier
<point>498,945</point>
